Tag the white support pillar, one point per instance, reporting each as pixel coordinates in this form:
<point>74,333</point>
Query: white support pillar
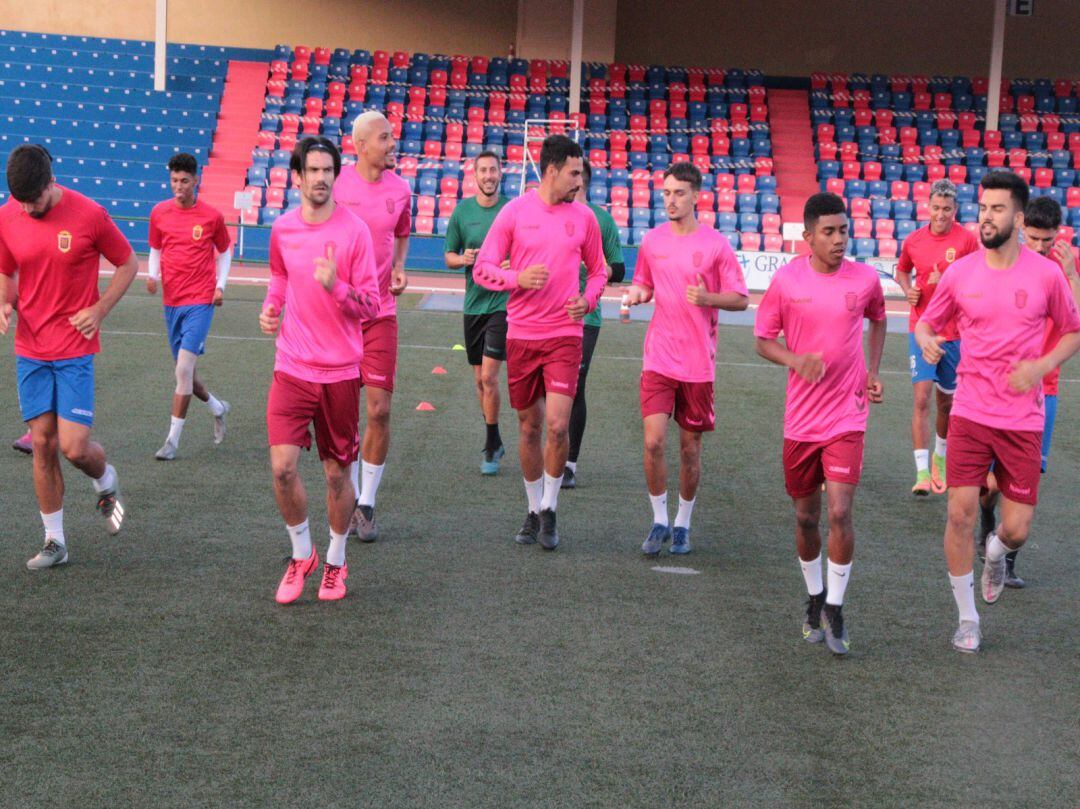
<point>160,21</point>
<point>997,52</point>
<point>577,33</point>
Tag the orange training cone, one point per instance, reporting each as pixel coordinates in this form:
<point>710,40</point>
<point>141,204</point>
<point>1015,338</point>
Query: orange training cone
<point>425,406</point>
<point>438,369</point>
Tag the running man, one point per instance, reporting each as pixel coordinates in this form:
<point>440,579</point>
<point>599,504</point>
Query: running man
<point>322,271</point>
<point>1002,298</point>
<point>689,272</point>
<point>382,199</point>
<point>616,271</point>
<point>190,252</point>
<point>485,311</point>
<point>927,253</point>
<point>547,234</point>
<point>819,302</point>
<point>53,238</point>
<point>1042,218</point>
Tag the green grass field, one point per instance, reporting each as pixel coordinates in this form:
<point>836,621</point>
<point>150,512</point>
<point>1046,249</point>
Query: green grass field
<point>466,671</point>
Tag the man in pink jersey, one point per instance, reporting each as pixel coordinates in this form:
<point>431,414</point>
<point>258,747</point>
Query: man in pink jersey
<point>819,302</point>
<point>382,199</point>
<point>190,251</point>
<point>322,270</point>
<point>547,235</point>
<point>1002,299</point>
<point>689,272</point>
<point>53,238</point>
<point>927,253</point>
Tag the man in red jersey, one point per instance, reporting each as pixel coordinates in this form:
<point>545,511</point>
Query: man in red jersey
<point>372,191</point>
<point>819,303</point>
<point>53,238</point>
<point>547,236</point>
<point>926,254</point>
<point>190,252</point>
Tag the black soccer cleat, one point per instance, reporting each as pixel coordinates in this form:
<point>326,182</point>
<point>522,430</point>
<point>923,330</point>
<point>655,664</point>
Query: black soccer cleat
<point>529,529</point>
<point>549,535</point>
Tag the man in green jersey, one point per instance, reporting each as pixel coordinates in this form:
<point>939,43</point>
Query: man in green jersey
<point>613,257</point>
<point>485,311</point>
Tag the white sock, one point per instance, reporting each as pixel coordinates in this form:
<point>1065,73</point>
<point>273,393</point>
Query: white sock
<point>106,481</point>
<point>534,490</point>
<point>300,537</point>
<point>922,460</point>
<point>659,508</point>
<point>370,476</point>
<point>572,466</point>
<point>550,498</point>
<point>995,548</point>
<point>939,446</point>
<point>216,407</point>
<point>838,580</point>
<point>686,508</point>
<point>963,592</point>
<point>54,526</point>
<point>335,554</point>
<point>354,474</point>
<point>811,572</point>
<point>176,426</point>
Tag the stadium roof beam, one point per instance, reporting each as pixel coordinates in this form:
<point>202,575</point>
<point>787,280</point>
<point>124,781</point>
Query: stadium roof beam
<point>161,15</point>
<point>997,52</point>
<point>577,33</point>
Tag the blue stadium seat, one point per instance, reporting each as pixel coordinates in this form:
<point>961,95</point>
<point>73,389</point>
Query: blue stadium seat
<point>727,221</point>
<point>865,248</point>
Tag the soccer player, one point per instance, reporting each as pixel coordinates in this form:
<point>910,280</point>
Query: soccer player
<point>819,302</point>
<point>927,253</point>
<point>322,270</point>
<point>690,272</point>
<point>485,311</point>
<point>382,199</point>
<point>54,238</point>
<point>616,271</point>
<point>547,234</point>
<point>190,252</point>
<point>1002,297</point>
<point>1042,218</point>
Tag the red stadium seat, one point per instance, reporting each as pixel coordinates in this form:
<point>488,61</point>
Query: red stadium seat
<point>1024,173</point>
<point>871,171</point>
<point>935,172</point>
<point>1072,197</point>
<point>322,56</point>
<point>721,145</point>
<point>859,207</point>
<point>851,169</point>
<point>301,71</point>
<point>738,112</point>
<point>1044,178</point>
<point>970,138</point>
<point>620,195</point>
<point>706,201</point>
<point>958,173</point>
<point>835,185</point>
<point>641,197</point>
<point>863,117</point>
<point>827,150</point>
<point>407,164</point>
<point>313,106</point>
<point>826,132</point>
<point>446,206</point>
<point>279,177</point>
<point>301,53</point>
<point>966,120</point>
<point>900,190</point>
<point>922,211</point>
<point>884,228</point>
<point>909,136</point>
<point>725,201</point>
<point>703,163</point>
<point>995,158</point>
<point>474,133</point>
<point>432,149</point>
<point>770,223</point>
<point>725,182</point>
<point>621,215</point>
<point>707,218</point>
<point>887,135</point>
<point>335,91</point>
<point>618,158</point>
<point>1017,158</point>
<point>1055,141</point>
<point>438,78</point>
<point>991,139</point>
<point>286,140</point>
<point>275,198</point>
<point>763,166</point>
<point>334,108</point>
<point>275,88</point>
<point>425,206</point>
<point>750,241</point>
<point>773,243</point>
<point>265,140</point>
<point>883,118</point>
<point>920,191</point>
<point>860,228</point>
<point>598,158</point>
<point>887,248</point>
<point>379,75</point>
<point>425,225</point>
<point>745,184</point>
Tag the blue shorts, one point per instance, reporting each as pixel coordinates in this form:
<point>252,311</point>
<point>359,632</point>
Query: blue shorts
<point>944,373</point>
<point>188,327</point>
<point>63,387</point>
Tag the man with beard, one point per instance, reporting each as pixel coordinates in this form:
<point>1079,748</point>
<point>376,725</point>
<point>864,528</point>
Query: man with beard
<point>382,199</point>
<point>1003,299</point>
<point>485,310</point>
<point>547,235</point>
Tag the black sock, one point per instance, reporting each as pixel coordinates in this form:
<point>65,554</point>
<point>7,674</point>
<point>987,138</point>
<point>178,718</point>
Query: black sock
<point>1010,557</point>
<point>494,440</point>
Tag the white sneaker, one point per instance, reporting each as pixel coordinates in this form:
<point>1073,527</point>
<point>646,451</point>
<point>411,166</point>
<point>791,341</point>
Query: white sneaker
<point>968,637</point>
<point>167,452</point>
<point>219,423</point>
<point>51,555</point>
<point>993,579</point>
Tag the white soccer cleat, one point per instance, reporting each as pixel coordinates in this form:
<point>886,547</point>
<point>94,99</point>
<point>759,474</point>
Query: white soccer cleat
<point>219,423</point>
<point>167,452</point>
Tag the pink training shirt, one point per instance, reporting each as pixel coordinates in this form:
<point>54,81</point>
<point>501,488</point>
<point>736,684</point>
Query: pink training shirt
<point>823,312</point>
<point>558,236</point>
<point>320,338</point>
<point>681,340</point>
<point>386,208</point>
<point>1002,316</point>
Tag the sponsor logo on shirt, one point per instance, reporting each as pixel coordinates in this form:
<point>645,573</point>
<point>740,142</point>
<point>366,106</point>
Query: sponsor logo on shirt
<point>196,233</point>
<point>950,255</point>
<point>1021,298</point>
<point>569,228</point>
<point>698,257</point>
<point>389,206</point>
<point>851,300</point>
<point>63,241</point>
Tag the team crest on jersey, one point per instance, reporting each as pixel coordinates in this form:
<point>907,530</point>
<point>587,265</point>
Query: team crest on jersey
<point>63,241</point>
<point>851,300</point>
<point>390,206</point>
<point>1021,298</point>
<point>698,257</point>
<point>196,233</point>
<point>570,229</point>
<point>950,255</point>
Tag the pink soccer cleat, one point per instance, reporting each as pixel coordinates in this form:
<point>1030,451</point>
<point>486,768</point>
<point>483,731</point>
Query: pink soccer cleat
<point>24,444</point>
<point>292,583</point>
<point>333,582</point>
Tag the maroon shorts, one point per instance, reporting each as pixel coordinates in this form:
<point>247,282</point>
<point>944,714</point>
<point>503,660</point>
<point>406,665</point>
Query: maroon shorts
<point>379,365</point>
<point>1015,454</point>
<point>293,404</point>
<point>808,464</point>
<point>690,402</point>
<point>537,367</point>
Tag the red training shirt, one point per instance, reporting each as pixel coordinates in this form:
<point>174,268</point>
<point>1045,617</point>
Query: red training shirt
<point>189,240</point>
